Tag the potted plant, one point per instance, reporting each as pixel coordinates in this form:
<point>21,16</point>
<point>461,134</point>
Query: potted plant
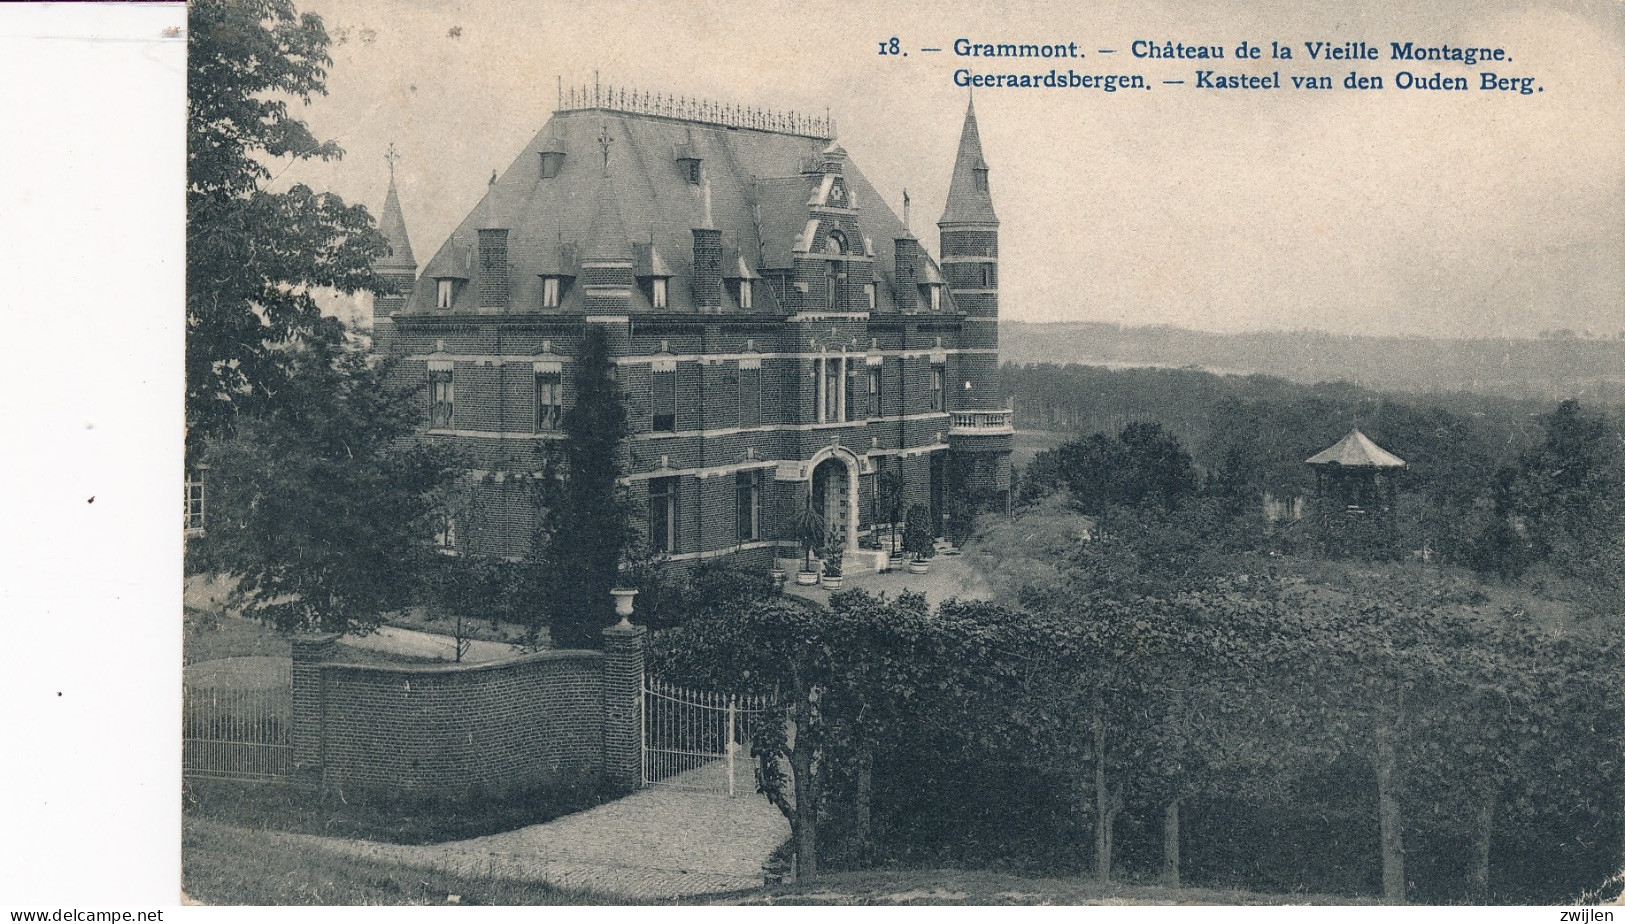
<point>832,564</point>
<point>917,541</point>
<point>889,487</point>
<point>809,531</point>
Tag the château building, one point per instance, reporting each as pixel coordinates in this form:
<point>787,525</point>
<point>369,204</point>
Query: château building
<point>779,334</point>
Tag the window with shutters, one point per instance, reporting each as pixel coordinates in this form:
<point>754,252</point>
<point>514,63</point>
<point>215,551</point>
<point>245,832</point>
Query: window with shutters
<point>549,401</point>
<point>849,407</point>
<point>748,504</point>
<point>663,514</point>
<point>442,399</point>
<point>719,413</point>
<point>750,397</point>
<point>664,401</point>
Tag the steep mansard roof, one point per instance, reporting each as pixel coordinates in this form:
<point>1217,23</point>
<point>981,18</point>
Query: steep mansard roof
<point>758,199</point>
<point>1357,451</point>
<point>969,199</point>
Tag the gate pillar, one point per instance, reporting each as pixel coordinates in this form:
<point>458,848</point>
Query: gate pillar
<point>623,705</point>
<point>308,706</point>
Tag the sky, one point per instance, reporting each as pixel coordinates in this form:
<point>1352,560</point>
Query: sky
<point>1394,212</point>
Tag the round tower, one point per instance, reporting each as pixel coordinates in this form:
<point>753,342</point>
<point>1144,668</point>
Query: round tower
<point>397,266</point>
<point>979,427</point>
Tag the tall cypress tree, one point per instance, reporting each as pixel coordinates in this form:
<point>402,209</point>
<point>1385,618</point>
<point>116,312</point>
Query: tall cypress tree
<point>592,528</point>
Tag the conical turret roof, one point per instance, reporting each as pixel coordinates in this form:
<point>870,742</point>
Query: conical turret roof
<point>392,224</point>
<point>968,197</point>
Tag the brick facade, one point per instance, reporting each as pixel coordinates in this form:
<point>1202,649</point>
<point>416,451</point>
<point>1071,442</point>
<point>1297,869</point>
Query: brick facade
<point>672,219</point>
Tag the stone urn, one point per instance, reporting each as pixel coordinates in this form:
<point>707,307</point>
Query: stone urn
<point>623,603</point>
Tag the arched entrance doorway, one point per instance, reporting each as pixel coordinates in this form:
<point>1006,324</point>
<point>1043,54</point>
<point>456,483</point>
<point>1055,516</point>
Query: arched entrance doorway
<point>834,490</point>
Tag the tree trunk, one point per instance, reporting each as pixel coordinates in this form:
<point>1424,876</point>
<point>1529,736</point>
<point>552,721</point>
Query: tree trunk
<point>806,827</point>
<point>804,830</point>
<point>1103,838</point>
<point>1481,854</point>
<point>1388,820</point>
<point>1170,844</point>
<point>860,809</point>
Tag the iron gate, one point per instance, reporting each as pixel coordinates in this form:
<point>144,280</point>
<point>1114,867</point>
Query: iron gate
<point>237,734</point>
<point>701,740</point>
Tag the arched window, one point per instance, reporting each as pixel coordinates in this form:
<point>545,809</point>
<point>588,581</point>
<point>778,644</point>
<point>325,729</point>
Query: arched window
<point>835,243</point>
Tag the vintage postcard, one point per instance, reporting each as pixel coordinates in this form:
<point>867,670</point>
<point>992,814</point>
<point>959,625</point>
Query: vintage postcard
<point>947,454</point>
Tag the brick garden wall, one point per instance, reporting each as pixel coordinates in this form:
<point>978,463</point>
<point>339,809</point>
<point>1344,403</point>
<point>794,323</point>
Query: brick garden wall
<point>532,720</point>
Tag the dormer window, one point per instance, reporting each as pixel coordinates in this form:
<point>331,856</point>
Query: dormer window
<point>550,291</point>
<point>552,161</point>
<point>981,179</point>
<point>744,294</point>
<point>936,297</point>
<point>443,293</point>
<point>694,172</point>
<point>869,291</point>
<point>653,274</point>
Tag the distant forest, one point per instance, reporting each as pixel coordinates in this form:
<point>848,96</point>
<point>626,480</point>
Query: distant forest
<point>1558,365</point>
<point>1275,423</point>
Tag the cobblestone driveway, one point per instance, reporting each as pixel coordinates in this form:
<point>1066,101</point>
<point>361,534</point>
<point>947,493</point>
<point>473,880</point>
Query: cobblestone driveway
<point>661,842</point>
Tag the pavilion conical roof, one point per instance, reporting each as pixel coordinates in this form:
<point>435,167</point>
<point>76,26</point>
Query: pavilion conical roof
<point>1356,451</point>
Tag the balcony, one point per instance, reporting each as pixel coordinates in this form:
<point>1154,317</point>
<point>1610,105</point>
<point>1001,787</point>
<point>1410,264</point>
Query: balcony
<point>979,423</point>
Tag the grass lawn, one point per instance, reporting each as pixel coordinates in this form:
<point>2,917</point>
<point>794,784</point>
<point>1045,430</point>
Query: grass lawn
<point>381,815</point>
<point>228,865</point>
<point>231,865</point>
<point>981,887</point>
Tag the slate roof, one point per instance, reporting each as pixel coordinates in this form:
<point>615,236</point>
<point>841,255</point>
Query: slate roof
<point>1357,451</point>
<point>393,226</point>
<point>748,172</point>
<point>967,201</point>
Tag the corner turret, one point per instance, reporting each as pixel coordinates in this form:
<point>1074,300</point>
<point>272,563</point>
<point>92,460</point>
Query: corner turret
<point>397,266</point>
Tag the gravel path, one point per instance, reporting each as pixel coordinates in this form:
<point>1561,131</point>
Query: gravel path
<point>658,843</point>
<point>396,640</point>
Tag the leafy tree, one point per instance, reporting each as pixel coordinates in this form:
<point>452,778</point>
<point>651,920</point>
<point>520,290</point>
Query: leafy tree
<point>1142,467</point>
<point>592,524</point>
<point>320,506</point>
<point>253,257</point>
<point>1569,495</point>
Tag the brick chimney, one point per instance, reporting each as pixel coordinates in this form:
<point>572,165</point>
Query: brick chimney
<point>908,260</point>
<point>492,274</point>
<point>707,268</point>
